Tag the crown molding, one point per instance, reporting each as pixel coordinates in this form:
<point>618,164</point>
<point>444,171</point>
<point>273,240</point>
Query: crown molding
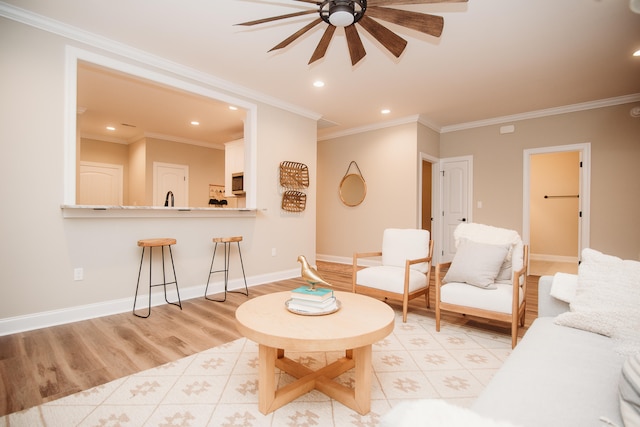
<point>182,140</point>
<point>609,102</point>
<point>153,135</point>
<point>104,138</point>
<point>371,127</point>
<point>59,28</point>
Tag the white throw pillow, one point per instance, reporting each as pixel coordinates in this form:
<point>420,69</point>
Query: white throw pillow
<point>630,391</point>
<point>476,264</point>
<point>489,234</point>
<point>607,297</point>
<point>564,286</point>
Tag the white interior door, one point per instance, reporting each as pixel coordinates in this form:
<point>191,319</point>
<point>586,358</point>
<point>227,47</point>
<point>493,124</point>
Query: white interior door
<point>170,178</point>
<point>100,184</point>
<point>456,208</point>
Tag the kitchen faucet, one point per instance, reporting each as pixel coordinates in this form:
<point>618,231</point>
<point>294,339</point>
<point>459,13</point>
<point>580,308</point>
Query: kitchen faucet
<point>166,200</point>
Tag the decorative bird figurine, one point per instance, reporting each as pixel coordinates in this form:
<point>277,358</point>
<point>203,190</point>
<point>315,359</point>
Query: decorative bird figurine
<point>310,274</point>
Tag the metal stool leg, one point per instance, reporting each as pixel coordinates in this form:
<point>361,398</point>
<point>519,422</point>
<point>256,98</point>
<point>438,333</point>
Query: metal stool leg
<point>225,270</point>
<point>211,271</point>
<point>246,288</point>
<point>163,284</point>
<point>138,285</point>
<point>175,278</point>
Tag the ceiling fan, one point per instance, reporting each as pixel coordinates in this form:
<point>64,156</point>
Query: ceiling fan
<point>347,13</point>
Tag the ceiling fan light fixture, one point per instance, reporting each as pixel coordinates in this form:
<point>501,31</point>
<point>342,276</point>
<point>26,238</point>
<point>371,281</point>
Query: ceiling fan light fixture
<point>341,15</point>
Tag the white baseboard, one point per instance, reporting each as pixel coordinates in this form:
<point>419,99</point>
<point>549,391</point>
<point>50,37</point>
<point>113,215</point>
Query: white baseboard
<point>366,262</point>
<point>553,258</point>
<point>46,319</point>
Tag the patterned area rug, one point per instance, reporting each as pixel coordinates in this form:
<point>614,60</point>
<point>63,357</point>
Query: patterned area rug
<point>218,387</point>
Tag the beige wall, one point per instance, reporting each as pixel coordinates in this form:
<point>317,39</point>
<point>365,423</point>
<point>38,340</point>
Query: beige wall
<point>615,177</point>
<point>388,161</point>
<point>41,248</point>
<point>137,173</point>
<point>206,166</point>
<point>554,219</point>
<point>389,167</point>
<point>428,141</point>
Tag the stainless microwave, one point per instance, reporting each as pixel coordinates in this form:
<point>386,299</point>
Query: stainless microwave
<point>237,183</point>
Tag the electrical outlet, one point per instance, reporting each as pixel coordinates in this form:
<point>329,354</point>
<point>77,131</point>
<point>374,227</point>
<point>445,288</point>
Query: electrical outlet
<point>274,252</point>
<point>78,274</point>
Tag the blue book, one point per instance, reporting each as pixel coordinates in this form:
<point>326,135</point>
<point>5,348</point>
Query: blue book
<point>319,294</point>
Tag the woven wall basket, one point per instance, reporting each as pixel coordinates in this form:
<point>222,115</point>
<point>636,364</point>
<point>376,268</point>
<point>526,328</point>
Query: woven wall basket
<point>294,201</point>
<point>294,175</point>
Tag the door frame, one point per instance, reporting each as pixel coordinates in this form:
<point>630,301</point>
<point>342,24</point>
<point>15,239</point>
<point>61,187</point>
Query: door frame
<point>585,191</point>
<point>435,196</point>
<point>469,201</point>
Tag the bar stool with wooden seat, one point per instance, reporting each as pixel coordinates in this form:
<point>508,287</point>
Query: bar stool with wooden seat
<point>226,241</point>
<point>154,243</point>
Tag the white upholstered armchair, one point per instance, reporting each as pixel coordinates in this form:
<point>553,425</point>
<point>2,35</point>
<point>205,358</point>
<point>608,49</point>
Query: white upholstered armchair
<point>405,270</point>
<point>487,277</point>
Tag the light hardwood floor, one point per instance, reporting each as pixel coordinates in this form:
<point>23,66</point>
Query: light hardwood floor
<point>46,364</point>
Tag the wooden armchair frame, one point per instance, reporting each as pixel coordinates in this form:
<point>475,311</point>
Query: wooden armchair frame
<point>515,318</point>
<point>403,297</point>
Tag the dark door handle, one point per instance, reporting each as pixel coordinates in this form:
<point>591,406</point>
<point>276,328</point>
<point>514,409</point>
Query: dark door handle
<point>463,219</point>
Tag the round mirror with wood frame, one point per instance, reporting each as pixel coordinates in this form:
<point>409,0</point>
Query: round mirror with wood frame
<point>353,189</point>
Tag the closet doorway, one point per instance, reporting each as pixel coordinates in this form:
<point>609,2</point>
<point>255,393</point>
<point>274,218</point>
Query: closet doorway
<point>556,208</point>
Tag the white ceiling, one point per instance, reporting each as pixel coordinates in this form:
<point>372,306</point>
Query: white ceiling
<point>495,58</point>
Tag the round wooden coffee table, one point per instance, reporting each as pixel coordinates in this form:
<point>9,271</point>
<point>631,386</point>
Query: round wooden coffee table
<point>360,322</point>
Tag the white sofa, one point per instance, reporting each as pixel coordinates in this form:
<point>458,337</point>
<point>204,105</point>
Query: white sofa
<point>578,365</point>
<point>557,376</point>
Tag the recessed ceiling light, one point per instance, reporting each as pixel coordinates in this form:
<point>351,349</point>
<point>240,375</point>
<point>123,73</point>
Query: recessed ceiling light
<point>110,128</point>
<point>385,111</point>
<point>195,123</point>
<point>636,53</point>
<point>318,83</point>
<point>233,107</point>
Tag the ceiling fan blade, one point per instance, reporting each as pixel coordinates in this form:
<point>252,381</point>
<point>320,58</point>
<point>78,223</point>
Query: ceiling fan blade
<point>311,1</point>
<point>423,22</point>
<point>286,42</point>
<point>321,49</point>
<point>390,40</point>
<point>356,48</point>
<point>275,18</point>
<point>392,2</point>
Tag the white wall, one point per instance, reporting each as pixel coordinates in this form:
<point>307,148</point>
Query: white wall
<point>41,248</point>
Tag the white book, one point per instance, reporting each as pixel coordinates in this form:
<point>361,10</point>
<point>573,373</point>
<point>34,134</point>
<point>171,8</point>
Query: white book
<point>303,308</point>
<point>314,304</point>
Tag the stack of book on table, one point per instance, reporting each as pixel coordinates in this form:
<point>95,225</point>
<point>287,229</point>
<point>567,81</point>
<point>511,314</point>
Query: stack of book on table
<point>318,301</point>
